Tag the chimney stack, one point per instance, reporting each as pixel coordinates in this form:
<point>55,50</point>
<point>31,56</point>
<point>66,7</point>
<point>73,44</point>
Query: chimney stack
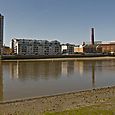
<point>92,36</point>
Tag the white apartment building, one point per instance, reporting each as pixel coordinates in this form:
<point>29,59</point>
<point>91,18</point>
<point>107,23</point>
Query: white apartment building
<point>67,48</point>
<point>35,47</point>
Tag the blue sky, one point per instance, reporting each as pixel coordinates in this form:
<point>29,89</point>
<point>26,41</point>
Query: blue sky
<point>63,20</point>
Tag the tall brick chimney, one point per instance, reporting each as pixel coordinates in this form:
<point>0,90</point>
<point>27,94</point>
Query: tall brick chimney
<point>92,36</point>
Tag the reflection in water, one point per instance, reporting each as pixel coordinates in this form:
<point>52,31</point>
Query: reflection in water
<point>49,69</point>
<point>79,67</point>
<point>93,74</point>
<point>85,66</point>
<point>35,70</point>
<point>14,70</point>
<point>64,68</point>
<point>31,78</point>
<point>1,82</point>
<point>67,68</point>
<point>41,70</point>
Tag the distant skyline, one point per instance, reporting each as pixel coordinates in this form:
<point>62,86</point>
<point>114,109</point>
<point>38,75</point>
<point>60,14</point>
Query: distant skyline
<point>68,21</point>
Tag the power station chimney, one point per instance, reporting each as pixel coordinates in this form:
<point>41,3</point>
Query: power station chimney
<point>92,36</point>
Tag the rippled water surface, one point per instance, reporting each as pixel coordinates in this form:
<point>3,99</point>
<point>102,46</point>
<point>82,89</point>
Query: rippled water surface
<point>22,79</point>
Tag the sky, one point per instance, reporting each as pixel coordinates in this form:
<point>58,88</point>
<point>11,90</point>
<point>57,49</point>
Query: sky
<point>68,21</point>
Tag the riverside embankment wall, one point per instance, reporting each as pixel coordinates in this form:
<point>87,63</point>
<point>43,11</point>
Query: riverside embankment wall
<point>14,57</point>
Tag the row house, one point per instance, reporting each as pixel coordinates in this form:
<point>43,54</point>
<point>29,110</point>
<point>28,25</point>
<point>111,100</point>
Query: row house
<point>35,47</point>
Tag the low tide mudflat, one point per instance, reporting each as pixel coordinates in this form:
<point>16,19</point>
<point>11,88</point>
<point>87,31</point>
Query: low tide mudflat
<point>101,100</point>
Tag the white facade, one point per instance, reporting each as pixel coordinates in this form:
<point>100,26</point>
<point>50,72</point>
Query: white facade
<point>35,47</point>
<point>63,47</point>
<point>108,42</point>
<point>67,48</point>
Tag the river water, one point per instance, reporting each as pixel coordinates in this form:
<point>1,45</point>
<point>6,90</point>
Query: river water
<point>23,79</point>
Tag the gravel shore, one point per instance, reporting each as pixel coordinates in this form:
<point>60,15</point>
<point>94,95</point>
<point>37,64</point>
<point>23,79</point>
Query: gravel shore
<point>60,102</point>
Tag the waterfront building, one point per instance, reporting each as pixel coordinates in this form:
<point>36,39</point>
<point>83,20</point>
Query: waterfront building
<point>79,49</point>
<point>108,46</point>
<point>1,31</point>
<point>35,47</point>
<point>67,48</point>
<point>88,49</point>
<point>104,47</point>
<point>6,50</point>
<point>92,47</point>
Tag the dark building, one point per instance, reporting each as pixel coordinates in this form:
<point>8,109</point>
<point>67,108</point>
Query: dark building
<point>1,31</point>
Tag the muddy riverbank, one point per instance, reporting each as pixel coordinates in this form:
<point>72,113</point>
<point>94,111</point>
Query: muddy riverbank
<point>60,102</point>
